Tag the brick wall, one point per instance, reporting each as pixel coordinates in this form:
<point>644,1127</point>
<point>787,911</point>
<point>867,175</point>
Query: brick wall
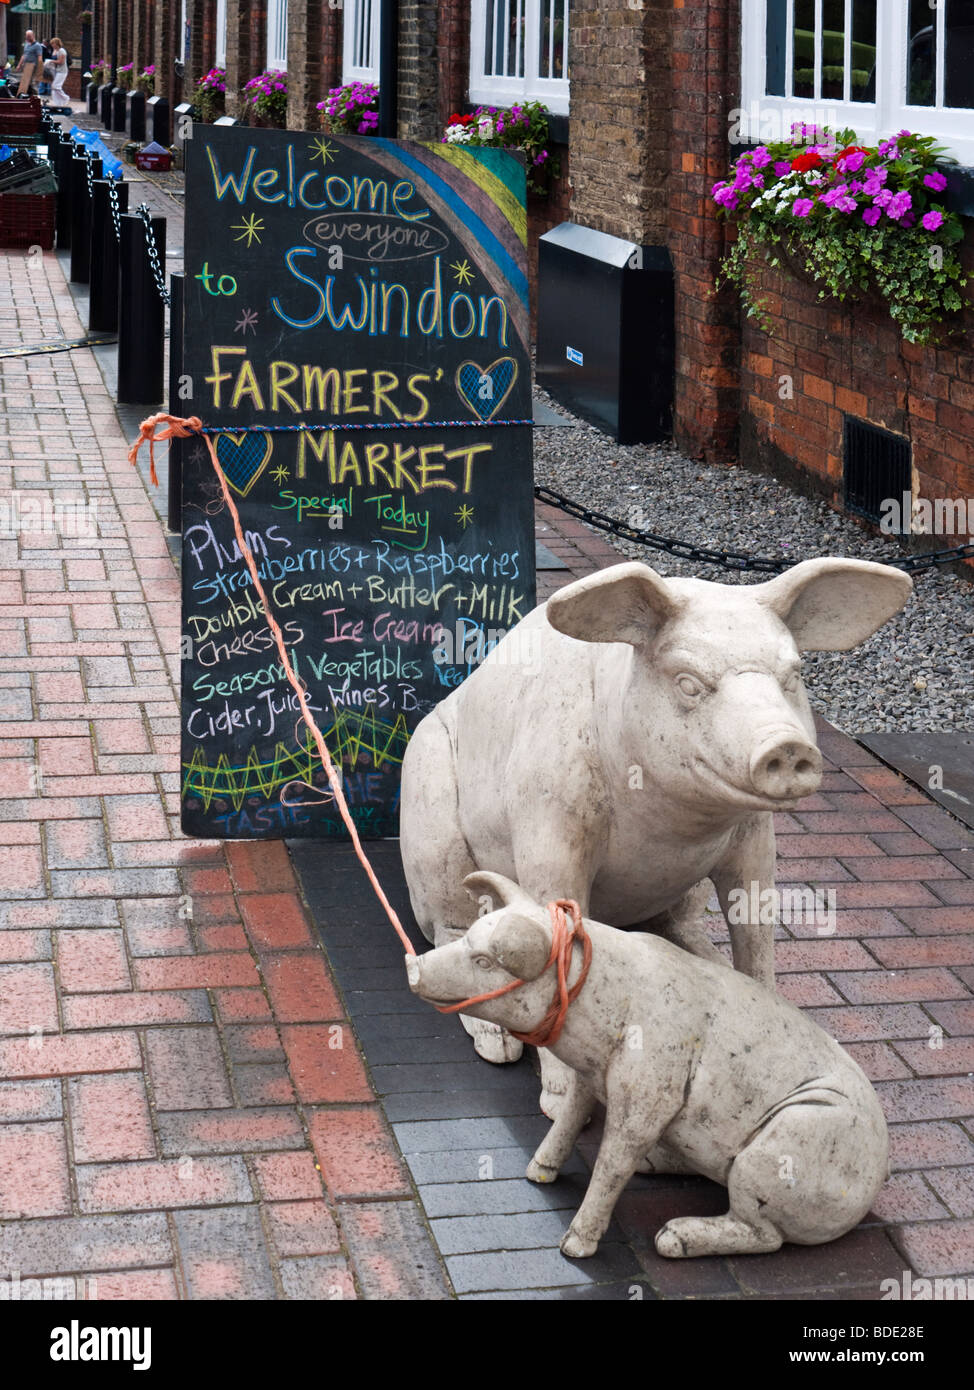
<point>822,361</point>
<point>314,45</point>
<point>418,70</point>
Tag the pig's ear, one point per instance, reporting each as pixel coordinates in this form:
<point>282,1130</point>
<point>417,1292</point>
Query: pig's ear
<point>521,945</point>
<point>504,892</point>
<point>625,603</point>
<point>831,605</point>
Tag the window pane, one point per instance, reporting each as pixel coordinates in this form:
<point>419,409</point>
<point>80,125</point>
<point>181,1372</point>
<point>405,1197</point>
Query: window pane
<point>959,63</point>
<point>833,50</point>
<point>921,67</point>
<point>804,49</point>
<point>551,43</point>
<point>776,38</point>
<point>863,50</point>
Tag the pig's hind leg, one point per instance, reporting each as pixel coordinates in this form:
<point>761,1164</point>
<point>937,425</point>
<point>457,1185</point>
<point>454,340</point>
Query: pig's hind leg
<point>555,1148</point>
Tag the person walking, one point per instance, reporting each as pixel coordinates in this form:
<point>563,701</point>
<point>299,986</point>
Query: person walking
<point>31,63</point>
<point>59,61</point>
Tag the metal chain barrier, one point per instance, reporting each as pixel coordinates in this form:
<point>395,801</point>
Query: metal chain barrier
<point>88,176</point>
<point>726,559</point>
<point>157,273</point>
<point>116,212</point>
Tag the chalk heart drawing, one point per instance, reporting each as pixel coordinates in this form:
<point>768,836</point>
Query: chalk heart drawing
<point>485,389</point>
<point>243,458</point>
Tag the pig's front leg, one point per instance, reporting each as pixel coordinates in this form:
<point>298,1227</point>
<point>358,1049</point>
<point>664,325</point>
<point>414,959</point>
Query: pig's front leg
<point>742,878</point>
<point>637,1113</point>
<point>558,1143</point>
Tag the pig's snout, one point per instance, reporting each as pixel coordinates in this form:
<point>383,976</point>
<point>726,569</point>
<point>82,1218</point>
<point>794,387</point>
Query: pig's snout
<point>413,972</point>
<point>786,768</point>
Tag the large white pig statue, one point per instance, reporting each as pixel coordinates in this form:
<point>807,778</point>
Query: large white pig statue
<point>699,1067</point>
<point>625,746</point>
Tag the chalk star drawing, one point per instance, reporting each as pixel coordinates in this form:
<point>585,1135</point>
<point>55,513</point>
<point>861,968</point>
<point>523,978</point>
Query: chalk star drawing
<point>281,473</point>
<point>198,454</point>
<point>464,515</point>
<point>462,272</point>
<point>249,229</point>
<point>323,150</point>
<point>249,320</point>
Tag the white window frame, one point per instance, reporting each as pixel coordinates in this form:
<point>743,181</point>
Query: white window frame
<point>183,38</point>
<point>220,59</point>
<point>354,19</point>
<point>276,52</point>
<point>953,127</point>
<point>489,90</point>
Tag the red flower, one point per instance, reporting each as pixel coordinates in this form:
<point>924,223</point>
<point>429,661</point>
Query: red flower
<point>851,149</point>
<point>804,162</point>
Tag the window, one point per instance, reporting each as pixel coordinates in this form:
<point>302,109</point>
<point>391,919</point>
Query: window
<point>360,41</point>
<point>221,33</point>
<point>519,51</point>
<point>277,34</point>
<point>184,30</point>
<point>876,65</point>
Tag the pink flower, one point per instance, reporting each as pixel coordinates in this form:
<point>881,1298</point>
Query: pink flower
<point>851,163</point>
<point>872,215</point>
<point>936,181</point>
<point>782,167</point>
<point>933,219</point>
<point>801,207</point>
<point>760,157</point>
<point>899,205</point>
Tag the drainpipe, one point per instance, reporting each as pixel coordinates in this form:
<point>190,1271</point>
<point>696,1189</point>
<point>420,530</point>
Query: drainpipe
<point>388,69</point>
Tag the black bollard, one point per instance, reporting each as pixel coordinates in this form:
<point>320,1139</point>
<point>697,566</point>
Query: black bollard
<point>81,221</point>
<point>141,315</point>
<point>77,190</point>
<point>103,285</point>
<point>119,101</point>
<point>157,109</point>
<point>135,115</point>
<point>91,94</point>
<point>63,152</point>
<point>176,406</point>
<point>105,104</point>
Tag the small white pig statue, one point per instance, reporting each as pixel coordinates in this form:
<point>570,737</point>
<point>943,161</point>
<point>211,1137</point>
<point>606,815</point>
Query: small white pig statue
<point>627,742</point>
<point>699,1067</point>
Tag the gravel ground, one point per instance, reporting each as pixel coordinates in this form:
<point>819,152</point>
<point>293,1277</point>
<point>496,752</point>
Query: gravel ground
<point>915,674</point>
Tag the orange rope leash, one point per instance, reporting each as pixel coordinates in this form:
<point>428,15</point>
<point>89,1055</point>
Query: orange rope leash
<point>563,938</point>
<point>171,426</point>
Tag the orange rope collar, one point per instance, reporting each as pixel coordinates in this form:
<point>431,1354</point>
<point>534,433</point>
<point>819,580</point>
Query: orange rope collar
<point>563,938</point>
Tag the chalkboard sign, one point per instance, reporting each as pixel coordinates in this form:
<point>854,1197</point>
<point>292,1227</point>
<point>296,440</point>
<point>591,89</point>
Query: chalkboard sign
<point>356,340</point>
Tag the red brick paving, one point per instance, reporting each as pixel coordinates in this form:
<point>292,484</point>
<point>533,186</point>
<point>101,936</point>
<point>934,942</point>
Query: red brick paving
<point>168,1020</point>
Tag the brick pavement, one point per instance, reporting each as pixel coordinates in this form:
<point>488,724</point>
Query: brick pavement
<point>184,1112</point>
<point>175,1119</point>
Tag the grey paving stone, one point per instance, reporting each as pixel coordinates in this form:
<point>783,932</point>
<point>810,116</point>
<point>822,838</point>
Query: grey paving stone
<point>384,1050</point>
<point>526,1269</point>
<point>223,1253</point>
<point>448,1105</point>
<point>67,1243</point>
<point>465,1235</point>
<point>635,1291</point>
<point>383,1001</point>
<point>469,1165</point>
<point>434,1075</point>
<point>501,1196</point>
<point>500,1132</point>
<point>379,1232</point>
<point>416,1025</point>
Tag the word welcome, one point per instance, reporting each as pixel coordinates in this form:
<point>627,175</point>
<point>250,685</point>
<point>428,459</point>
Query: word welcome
<point>266,187</point>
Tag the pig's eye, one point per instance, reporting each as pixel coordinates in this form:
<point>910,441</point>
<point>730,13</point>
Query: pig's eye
<point>689,686</point>
<point>483,962</point>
